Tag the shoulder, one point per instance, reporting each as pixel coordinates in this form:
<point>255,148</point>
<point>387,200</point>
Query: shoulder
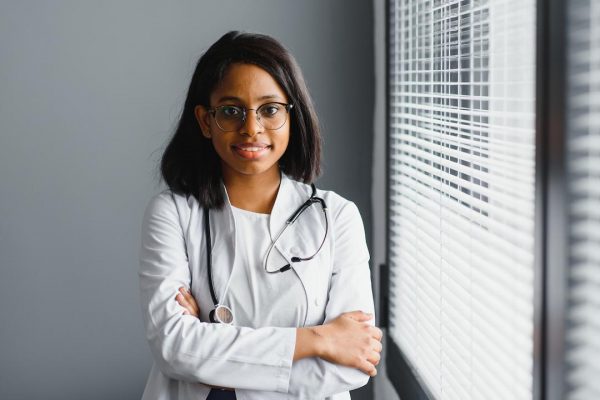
<point>160,202</point>
<point>169,197</point>
<point>346,224</point>
<point>169,203</point>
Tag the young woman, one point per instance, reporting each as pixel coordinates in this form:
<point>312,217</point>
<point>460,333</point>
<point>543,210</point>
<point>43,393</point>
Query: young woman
<point>254,284</point>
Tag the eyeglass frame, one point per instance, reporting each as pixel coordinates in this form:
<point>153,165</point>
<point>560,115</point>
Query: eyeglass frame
<point>213,110</point>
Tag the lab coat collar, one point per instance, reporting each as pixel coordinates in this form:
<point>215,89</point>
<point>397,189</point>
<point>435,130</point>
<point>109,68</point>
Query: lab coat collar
<point>290,196</point>
<point>300,239</point>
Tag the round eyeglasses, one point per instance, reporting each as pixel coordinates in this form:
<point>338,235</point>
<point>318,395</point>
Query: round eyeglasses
<point>232,118</point>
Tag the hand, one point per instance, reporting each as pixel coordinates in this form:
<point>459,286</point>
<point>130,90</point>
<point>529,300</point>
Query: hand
<point>349,340</point>
<point>187,301</point>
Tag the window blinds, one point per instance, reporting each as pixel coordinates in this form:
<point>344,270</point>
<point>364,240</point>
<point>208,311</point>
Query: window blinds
<point>462,87</point>
<point>583,120</point>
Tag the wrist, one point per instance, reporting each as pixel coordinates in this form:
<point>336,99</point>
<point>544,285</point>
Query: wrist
<point>319,333</point>
<point>310,342</point>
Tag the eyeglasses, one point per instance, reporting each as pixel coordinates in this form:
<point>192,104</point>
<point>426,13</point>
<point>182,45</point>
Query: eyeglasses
<point>270,115</point>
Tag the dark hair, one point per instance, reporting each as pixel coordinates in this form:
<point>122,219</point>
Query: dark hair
<point>191,166</point>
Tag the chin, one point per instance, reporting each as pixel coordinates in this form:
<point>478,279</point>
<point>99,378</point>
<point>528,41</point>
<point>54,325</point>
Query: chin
<point>254,170</point>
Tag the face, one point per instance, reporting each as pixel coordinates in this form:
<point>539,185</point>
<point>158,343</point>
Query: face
<point>251,150</point>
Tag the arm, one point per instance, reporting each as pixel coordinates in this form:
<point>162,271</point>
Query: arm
<point>346,338</point>
<point>185,348</point>
<point>350,290</point>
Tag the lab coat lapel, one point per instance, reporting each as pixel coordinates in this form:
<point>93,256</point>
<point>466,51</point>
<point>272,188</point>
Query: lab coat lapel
<point>223,238</point>
<point>294,240</point>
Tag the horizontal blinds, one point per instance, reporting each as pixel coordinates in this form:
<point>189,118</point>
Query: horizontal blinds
<point>583,313</point>
<point>461,194</point>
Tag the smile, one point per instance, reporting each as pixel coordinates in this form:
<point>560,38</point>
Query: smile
<point>250,152</point>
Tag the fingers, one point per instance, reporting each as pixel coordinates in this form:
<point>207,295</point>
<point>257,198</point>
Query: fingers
<point>186,300</point>
<point>368,365</point>
<point>376,333</point>
<point>374,357</point>
<point>191,301</point>
<point>370,357</point>
<point>183,302</point>
<point>358,316</point>
<point>373,332</point>
<point>375,345</point>
<point>368,368</point>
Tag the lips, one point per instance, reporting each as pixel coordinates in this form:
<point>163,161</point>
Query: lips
<point>250,151</point>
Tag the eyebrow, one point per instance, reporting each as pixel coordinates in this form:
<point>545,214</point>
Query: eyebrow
<point>233,98</point>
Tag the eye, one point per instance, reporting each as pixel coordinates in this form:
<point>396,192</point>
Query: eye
<point>270,109</point>
<point>230,111</point>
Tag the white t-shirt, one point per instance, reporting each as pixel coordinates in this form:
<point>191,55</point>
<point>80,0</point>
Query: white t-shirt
<point>257,298</point>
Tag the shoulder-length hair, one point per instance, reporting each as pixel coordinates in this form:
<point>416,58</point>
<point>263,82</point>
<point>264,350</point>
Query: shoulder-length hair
<point>191,166</point>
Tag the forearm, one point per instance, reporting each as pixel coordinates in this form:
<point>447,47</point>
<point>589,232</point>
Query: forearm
<point>223,356</point>
<point>315,378</point>
<point>312,376</point>
<point>309,343</point>
<point>321,355</point>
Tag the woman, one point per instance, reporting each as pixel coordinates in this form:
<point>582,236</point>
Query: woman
<point>241,239</point>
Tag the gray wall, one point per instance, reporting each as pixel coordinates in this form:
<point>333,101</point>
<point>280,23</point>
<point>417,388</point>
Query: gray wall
<point>89,94</point>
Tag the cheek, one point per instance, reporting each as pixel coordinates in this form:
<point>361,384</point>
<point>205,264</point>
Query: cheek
<point>284,142</point>
<point>225,152</point>
<point>219,147</point>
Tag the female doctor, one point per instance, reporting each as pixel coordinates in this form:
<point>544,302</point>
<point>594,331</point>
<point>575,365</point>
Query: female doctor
<point>254,284</point>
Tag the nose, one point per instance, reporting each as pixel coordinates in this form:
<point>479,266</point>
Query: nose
<point>251,125</point>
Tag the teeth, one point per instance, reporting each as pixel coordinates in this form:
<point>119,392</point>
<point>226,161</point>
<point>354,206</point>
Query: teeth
<point>251,148</point>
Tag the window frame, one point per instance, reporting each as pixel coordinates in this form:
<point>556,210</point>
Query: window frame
<point>551,202</point>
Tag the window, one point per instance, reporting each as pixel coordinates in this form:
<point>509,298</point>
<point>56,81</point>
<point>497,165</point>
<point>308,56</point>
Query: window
<point>461,195</point>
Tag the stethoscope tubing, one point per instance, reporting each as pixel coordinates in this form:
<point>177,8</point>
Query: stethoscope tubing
<point>312,200</point>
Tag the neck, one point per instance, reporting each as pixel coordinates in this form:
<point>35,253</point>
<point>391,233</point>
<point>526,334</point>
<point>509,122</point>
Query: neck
<point>256,193</point>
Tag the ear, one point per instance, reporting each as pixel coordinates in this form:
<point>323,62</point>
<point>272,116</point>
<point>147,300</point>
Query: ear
<point>203,118</point>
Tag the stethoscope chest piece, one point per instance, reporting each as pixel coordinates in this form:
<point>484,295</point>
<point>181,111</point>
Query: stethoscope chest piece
<point>221,314</point>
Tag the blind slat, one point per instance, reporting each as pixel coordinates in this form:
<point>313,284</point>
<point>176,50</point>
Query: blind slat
<point>462,192</point>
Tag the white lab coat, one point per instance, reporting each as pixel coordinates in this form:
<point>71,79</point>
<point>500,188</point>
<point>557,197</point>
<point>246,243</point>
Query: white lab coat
<point>256,362</point>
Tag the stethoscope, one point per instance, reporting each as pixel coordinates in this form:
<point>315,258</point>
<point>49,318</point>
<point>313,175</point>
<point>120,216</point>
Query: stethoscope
<point>223,314</point>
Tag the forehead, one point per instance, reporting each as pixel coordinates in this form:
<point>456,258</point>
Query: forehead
<point>247,83</point>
